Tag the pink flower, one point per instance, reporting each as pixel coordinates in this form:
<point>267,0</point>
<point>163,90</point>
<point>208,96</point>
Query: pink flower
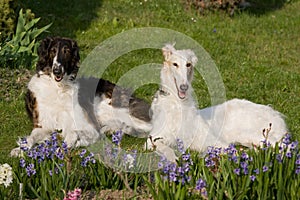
<point>74,195</point>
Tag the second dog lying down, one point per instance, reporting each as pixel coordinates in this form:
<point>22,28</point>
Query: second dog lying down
<point>175,115</point>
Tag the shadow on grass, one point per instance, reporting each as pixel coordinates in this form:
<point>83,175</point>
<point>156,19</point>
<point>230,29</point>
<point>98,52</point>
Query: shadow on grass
<point>67,16</point>
<point>261,7</point>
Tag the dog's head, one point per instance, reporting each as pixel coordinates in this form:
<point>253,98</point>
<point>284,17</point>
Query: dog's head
<point>58,58</point>
<point>178,68</point>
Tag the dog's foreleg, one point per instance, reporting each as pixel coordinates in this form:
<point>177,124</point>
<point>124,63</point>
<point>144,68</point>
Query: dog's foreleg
<point>72,138</point>
<point>37,135</point>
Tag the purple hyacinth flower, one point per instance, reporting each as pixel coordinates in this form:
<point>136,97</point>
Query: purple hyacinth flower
<point>289,154</point>
<point>82,153</point>
<point>22,162</point>
<point>65,147</point>
<point>59,155</point>
<point>172,176</point>
<point>200,184</point>
<point>245,156</point>
<point>265,168</point>
<point>30,170</point>
<point>166,169</point>
<point>160,165</point>
<point>294,145</point>
<point>286,139</point>
<point>237,171</point>
<point>252,177</point>
<point>117,137</point>
<point>244,165</point>
<point>180,145</point>
<point>186,157</point>
<point>245,171</point>
<point>279,158</point>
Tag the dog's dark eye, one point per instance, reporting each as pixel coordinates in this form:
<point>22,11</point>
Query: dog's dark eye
<point>175,64</point>
<point>66,50</point>
<point>188,64</point>
<point>53,50</point>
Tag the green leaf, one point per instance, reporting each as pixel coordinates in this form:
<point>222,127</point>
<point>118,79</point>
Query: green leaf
<point>179,192</point>
<point>163,194</point>
<point>151,187</point>
<point>37,32</point>
<point>22,49</point>
<point>21,23</point>
<point>31,24</point>
<point>26,40</point>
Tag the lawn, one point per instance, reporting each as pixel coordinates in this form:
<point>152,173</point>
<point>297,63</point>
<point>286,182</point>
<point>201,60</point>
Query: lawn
<point>256,52</point>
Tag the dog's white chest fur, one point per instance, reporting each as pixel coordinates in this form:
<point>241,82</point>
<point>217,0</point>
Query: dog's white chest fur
<point>52,98</point>
<point>58,109</point>
<point>176,120</point>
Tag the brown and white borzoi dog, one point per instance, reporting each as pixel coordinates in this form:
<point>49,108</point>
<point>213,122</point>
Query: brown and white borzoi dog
<point>56,100</point>
<point>175,115</point>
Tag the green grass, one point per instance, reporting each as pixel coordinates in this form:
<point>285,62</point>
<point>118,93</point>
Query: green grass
<point>257,53</point>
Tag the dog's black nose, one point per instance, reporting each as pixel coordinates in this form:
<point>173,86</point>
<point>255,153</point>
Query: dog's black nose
<point>57,71</point>
<point>184,87</point>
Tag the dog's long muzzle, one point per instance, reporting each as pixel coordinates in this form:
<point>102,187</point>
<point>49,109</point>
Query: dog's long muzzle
<point>58,72</point>
<point>182,90</point>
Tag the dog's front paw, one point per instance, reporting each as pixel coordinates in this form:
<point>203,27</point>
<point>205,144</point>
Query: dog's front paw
<point>167,152</point>
<point>16,152</point>
<point>149,145</point>
<point>152,142</point>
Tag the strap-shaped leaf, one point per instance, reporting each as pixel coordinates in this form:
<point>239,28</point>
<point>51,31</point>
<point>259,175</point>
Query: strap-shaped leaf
<point>31,23</point>
<point>21,23</point>
<point>37,32</point>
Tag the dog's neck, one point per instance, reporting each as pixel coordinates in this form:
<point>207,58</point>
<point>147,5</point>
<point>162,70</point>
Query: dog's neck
<point>63,84</point>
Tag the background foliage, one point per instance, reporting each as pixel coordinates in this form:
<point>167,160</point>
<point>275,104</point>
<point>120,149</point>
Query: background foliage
<point>7,19</point>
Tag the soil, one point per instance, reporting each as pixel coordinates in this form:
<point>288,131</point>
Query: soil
<point>109,194</point>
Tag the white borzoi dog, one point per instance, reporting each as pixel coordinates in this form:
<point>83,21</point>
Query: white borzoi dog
<point>175,115</point>
<point>81,108</point>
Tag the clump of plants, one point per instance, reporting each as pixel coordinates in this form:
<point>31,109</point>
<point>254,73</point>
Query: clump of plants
<point>177,180</point>
<point>51,170</point>
<point>21,50</point>
<point>263,172</point>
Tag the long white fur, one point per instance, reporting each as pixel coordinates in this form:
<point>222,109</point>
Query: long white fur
<point>59,109</point>
<point>235,121</point>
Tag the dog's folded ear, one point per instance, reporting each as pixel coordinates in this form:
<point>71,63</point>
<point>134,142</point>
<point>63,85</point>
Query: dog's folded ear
<point>75,59</point>
<point>167,50</point>
<point>192,57</point>
<point>44,46</point>
<point>75,49</point>
<point>43,53</point>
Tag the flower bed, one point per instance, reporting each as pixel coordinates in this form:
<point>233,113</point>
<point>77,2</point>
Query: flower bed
<point>52,171</point>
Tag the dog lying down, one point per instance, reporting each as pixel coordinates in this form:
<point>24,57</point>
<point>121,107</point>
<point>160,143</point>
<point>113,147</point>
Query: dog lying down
<point>175,115</point>
<point>56,100</point>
